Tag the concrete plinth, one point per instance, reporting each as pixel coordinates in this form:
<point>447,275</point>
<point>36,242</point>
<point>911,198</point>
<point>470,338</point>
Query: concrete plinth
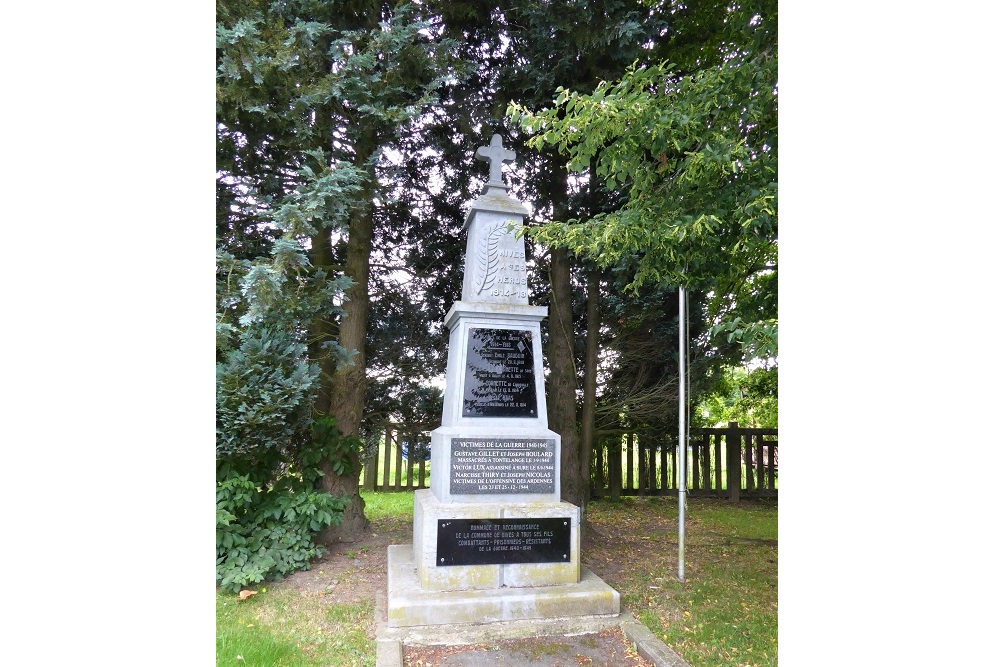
<point>410,604</point>
<point>427,509</point>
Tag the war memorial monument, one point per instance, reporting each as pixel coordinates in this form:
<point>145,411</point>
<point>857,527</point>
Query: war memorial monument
<point>492,541</point>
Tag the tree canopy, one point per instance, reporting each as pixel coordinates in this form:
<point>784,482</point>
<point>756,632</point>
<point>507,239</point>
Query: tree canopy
<point>693,148</point>
<point>646,135</point>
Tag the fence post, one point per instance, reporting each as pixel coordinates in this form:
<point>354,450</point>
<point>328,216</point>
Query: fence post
<point>386,452</point>
<point>772,463</point>
<point>371,464</point>
<point>643,472</point>
<point>615,469</point>
<point>600,480</point>
<point>733,464</point>
<point>715,442</point>
<point>629,461</point>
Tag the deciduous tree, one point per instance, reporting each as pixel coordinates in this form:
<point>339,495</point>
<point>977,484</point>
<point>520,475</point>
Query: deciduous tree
<point>695,149</point>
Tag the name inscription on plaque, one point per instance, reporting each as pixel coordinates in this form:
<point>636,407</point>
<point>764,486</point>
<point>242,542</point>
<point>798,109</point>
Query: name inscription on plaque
<point>503,465</point>
<point>499,374</point>
<point>497,541</point>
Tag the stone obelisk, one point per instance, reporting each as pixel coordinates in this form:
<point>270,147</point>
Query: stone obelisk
<point>492,541</point>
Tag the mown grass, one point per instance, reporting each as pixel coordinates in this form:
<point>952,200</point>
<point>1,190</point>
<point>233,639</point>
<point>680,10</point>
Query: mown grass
<point>286,629</point>
<point>282,627</point>
<point>388,507</point>
<point>725,614</point>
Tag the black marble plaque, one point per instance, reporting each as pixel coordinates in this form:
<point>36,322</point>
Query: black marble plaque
<point>499,374</point>
<point>503,465</point>
<point>502,541</point>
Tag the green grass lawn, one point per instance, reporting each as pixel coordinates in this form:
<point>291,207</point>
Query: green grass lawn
<point>388,506</point>
<point>723,615</point>
<point>281,628</point>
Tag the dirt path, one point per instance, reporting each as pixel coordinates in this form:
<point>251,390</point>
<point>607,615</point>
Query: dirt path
<point>353,572</point>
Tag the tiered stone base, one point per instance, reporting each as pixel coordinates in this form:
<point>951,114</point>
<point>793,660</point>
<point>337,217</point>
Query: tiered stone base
<point>411,605</point>
<point>427,510</point>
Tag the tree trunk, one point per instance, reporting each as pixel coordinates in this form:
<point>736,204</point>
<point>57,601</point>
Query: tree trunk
<point>561,394</point>
<point>589,415</point>
<point>322,329</point>
<point>562,375</point>
<point>348,384</point>
<point>347,388</point>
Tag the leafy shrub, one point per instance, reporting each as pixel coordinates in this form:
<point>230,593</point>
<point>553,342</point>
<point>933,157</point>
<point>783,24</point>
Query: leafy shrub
<point>267,534</point>
<point>269,447</point>
<point>330,445</point>
<point>747,397</point>
<point>263,394</point>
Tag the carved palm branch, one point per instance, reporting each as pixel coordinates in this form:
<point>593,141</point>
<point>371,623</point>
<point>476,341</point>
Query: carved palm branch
<point>489,255</point>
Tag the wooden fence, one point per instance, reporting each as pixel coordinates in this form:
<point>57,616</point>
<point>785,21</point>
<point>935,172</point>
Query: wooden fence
<point>400,461</point>
<point>731,462</point>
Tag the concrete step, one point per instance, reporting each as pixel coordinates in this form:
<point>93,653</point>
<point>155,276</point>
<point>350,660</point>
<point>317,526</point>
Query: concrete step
<point>410,605</point>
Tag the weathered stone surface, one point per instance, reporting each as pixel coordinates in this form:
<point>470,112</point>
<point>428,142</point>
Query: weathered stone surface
<point>388,652</point>
<point>495,154</point>
<point>496,270</point>
<point>410,604</point>
<point>428,510</point>
<point>540,574</point>
<point>649,646</point>
<point>494,502</point>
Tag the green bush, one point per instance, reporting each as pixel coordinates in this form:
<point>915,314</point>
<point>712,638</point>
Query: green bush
<point>266,534</point>
<point>263,400</point>
<point>748,397</point>
<point>270,447</point>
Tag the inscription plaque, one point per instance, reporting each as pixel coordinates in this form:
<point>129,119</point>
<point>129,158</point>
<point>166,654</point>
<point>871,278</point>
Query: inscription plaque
<point>502,541</point>
<point>503,465</point>
<point>499,374</point>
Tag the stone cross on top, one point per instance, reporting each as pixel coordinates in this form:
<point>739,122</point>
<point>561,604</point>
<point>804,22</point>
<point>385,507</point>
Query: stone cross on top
<point>496,155</point>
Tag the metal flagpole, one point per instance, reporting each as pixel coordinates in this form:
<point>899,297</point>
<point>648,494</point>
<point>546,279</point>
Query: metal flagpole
<point>681,439</point>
